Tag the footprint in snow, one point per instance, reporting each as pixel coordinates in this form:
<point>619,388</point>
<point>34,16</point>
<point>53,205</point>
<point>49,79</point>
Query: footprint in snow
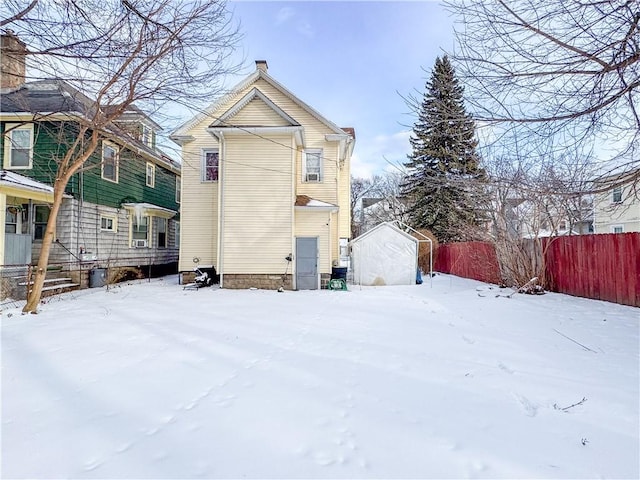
<point>506,369</point>
<point>530,409</point>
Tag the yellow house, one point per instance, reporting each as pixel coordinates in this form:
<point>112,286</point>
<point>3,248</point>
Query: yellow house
<point>265,188</point>
<point>616,209</point>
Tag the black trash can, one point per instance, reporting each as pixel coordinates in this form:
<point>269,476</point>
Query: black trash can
<point>339,273</point>
<point>97,277</point>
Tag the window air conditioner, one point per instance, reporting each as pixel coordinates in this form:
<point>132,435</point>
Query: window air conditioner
<point>140,243</point>
<point>312,177</point>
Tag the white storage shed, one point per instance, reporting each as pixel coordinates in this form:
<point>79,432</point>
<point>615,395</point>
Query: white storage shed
<point>385,255</point>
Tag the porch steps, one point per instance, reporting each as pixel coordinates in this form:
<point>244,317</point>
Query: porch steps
<point>55,285</point>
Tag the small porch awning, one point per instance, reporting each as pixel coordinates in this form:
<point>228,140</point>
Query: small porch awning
<point>16,185</point>
<point>149,209</point>
<point>304,202</point>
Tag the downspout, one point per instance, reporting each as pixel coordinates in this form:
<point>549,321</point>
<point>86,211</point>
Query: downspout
<point>294,183</point>
<point>330,239</point>
<point>221,177</point>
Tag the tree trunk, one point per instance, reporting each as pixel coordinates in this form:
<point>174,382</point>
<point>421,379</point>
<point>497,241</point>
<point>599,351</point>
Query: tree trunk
<point>33,299</point>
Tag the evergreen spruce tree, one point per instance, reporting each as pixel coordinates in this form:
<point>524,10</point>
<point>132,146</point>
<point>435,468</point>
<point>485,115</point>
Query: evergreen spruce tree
<point>443,168</point>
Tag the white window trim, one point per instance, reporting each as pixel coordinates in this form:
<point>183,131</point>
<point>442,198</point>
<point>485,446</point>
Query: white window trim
<point>146,136</point>
<point>613,192</point>
<point>203,165</point>
<point>33,222</point>
<point>114,223</point>
<point>317,151</point>
<point>151,183</point>
<point>613,228</point>
<point>160,220</point>
<point>9,129</point>
<point>106,143</point>
<point>179,185</point>
<point>149,231</point>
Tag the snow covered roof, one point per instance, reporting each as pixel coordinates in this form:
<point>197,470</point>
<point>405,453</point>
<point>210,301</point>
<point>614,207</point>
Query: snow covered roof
<point>24,183</point>
<point>141,209</point>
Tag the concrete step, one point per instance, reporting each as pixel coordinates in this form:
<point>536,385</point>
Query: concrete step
<point>49,280</point>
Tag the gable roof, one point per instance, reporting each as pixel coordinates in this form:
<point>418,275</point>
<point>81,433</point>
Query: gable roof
<point>244,101</point>
<point>54,96</point>
<point>258,74</point>
<point>384,225</point>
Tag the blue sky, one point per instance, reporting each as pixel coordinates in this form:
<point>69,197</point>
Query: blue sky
<point>351,61</point>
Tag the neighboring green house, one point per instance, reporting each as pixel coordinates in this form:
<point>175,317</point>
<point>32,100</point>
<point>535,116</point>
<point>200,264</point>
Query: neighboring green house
<point>119,212</point>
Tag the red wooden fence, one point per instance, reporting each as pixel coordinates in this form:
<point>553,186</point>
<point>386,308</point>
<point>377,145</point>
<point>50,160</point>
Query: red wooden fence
<point>602,267</point>
<point>475,260</point>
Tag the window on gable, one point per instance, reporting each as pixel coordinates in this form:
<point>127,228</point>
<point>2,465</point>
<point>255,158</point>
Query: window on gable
<point>616,195</point>
<point>110,154</point>
<point>210,164</point>
<point>151,175</point>
<point>18,146</point>
<point>312,165</point>
<point>147,136</point>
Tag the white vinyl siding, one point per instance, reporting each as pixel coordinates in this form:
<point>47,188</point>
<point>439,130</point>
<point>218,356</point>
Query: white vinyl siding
<point>253,193</point>
<point>312,165</point>
<point>210,165</point>
<point>199,204</point>
<point>256,112</point>
<point>258,203</point>
<point>314,224</point>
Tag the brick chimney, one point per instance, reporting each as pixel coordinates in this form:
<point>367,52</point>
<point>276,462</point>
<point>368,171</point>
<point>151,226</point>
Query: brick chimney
<point>262,65</point>
<point>13,53</point>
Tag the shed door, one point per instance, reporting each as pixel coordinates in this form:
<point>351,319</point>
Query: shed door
<point>306,263</point>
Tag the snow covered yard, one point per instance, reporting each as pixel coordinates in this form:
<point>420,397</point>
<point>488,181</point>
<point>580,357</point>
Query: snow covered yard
<point>149,381</point>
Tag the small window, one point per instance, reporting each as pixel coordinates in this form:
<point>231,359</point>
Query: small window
<point>177,232</point>
<point>18,146</point>
<point>110,153</point>
<point>108,224</point>
<point>562,226</point>
<point>151,175</point>
<point>41,217</point>
<point>140,232</point>
<point>162,232</point>
<point>147,136</point>
<point>617,229</point>
<point>210,163</point>
<point>178,188</point>
<point>11,220</point>
<point>312,166</point>
<point>616,195</point>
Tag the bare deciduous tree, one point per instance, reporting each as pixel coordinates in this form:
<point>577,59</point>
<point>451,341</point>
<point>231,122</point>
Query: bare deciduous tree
<point>566,71</point>
<point>148,52</point>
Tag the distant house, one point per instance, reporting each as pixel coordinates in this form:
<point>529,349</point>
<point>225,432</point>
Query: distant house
<point>266,188</point>
<point>119,212</point>
<point>375,210</point>
<point>617,206</point>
